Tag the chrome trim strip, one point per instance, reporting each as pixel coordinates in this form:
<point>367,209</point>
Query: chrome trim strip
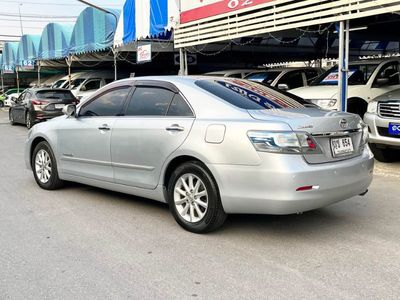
<point>337,133</point>
<point>87,161</point>
<point>129,166</point>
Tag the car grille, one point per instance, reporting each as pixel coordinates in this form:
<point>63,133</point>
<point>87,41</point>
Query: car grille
<point>384,131</point>
<point>389,109</point>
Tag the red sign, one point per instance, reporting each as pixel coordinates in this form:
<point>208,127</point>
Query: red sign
<point>193,10</point>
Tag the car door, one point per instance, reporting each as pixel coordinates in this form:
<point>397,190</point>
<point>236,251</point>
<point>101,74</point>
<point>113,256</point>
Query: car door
<point>387,80</point>
<point>157,121</point>
<point>18,109</point>
<point>84,141</point>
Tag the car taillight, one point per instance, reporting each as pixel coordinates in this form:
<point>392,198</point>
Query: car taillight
<point>283,142</point>
<point>39,102</point>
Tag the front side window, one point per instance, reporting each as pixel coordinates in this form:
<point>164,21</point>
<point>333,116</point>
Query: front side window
<point>292,79</point>
<point>109,103</point>
<point>389,73</point>
<point>149,101</point>
<point>92,85</point>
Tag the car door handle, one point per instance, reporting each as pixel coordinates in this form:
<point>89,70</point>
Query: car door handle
<point>175,127</point>
<point>104,127</point>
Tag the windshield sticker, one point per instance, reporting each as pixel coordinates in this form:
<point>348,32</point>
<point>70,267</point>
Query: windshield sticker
<point>333,77</point>
<point>257,93</point>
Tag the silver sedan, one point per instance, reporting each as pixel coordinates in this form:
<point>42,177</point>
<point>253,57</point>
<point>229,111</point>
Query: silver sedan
<point>207,146</point>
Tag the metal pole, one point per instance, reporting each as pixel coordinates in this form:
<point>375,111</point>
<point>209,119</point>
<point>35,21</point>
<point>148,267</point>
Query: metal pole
<point>16,69</point>
<point>38,72</point>
<point>186,63</point>
<point>346,60</point>
<point>181,62</point>
<point>20,18</point>
<point>69,62</point>
<point>341,66</point>
<point>2,82</point>
<point>115,53</point>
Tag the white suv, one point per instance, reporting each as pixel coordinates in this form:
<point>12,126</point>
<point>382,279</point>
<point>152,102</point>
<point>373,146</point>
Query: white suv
<point>367,80</point>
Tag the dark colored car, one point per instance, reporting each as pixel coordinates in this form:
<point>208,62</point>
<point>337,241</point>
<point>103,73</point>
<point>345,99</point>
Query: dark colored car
<point>40,104</point>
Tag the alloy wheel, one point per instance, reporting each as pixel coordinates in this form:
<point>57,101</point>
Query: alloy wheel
<point>43,166</point>
<point>191,198</point>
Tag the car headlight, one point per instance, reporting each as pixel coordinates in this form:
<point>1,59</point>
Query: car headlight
<point>325,103</point>
<point>372,107</point>
<point>283,142</point>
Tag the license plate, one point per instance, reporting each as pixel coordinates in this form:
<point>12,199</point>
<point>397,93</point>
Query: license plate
<point>59,106</point>
<point>342,146</point>
<point>394,128</point>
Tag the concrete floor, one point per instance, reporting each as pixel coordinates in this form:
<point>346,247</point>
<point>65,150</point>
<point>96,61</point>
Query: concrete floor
<point>86,243</point>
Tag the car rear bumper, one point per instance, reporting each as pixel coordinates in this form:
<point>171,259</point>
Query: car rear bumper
<point>374,122</point>
<point>43,115</point>
<point>270,188</point>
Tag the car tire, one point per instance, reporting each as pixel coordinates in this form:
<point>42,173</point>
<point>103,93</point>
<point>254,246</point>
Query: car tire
<point>194,199</point>
<point>382,154</point>
<point>1,103</point>
<point>28,120</point>
<point>11,117</point>
<point>44,167</point>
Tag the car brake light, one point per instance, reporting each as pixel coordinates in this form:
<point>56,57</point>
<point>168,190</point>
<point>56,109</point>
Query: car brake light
<point>39,102</point>
<point>284,142</point>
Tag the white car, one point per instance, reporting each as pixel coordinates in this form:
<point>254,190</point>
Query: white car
<point>367,80</point>
<point>236,73</point>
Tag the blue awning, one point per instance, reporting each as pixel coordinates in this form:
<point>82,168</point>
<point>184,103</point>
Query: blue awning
<point>146,19</point>
<point>93,31</point>
<point>28,50</point>
<point>9,63</point>
<point>55,41</point>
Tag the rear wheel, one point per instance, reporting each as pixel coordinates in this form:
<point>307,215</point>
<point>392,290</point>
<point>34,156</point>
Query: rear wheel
<point>1,103</point>
<point>194,199</point>
<point>383,154</point>
<point>28,120</point>
<point>44,166</point>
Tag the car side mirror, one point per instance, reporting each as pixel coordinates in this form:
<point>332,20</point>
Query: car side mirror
<point>69,110</point>
<point>283,86</point>
<point>83,89</point>
<point>382,81</point>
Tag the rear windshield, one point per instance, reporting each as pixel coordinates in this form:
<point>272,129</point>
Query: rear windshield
<point>249,95</point>
<point>266,77</point>
<point>357,75</point>
<point>49,94</point>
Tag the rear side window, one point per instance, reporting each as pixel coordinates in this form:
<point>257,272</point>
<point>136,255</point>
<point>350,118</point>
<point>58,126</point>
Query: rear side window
<point>179,107</point>
<point>108,104</point>
<point>248,95</point>
<point>149,101</point>
<point>65,95</point>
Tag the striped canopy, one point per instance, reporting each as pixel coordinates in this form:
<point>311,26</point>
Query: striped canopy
<point>9,61</point>
<point>54,42</point>
<point>145,19</point>
<point>93,31</point>
<point>28,49</point>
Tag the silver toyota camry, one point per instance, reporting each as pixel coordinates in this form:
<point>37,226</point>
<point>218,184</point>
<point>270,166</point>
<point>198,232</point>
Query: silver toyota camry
<point>207,146</point>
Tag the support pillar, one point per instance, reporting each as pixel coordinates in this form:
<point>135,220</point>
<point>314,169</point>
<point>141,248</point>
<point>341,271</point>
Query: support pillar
<point>343,64</point>
<point>115,54</point>
<point>38,73</point>
<point>68,60</point>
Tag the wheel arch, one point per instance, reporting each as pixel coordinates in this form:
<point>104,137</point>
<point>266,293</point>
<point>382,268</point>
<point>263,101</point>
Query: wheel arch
<point>361,107</point>
<point>34,143</point>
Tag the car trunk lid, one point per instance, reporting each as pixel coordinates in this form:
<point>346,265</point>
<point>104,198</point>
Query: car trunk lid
<point>324,126</point>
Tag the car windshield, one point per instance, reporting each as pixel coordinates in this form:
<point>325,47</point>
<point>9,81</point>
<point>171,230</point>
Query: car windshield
<point>58,83</point>
<point>51,94</point>
<point>249,95</point>
<point>266,77</point>
<point>358,75</point>
<point>76,83</point>
<point>12,91</point>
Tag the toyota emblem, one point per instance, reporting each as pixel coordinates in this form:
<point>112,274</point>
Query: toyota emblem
<point>343,123</point>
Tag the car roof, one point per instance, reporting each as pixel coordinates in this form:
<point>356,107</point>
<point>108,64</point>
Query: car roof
<point>373,61</point>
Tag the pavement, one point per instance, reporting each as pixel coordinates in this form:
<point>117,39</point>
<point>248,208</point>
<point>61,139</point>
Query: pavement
<point>82,242</point>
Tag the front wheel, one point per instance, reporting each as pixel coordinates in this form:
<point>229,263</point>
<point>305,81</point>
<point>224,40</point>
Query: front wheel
<point>11,117</point>
<point>1,103</point>
<point>194,199</point>
<point>44,167</point>
<point>382,154</point>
